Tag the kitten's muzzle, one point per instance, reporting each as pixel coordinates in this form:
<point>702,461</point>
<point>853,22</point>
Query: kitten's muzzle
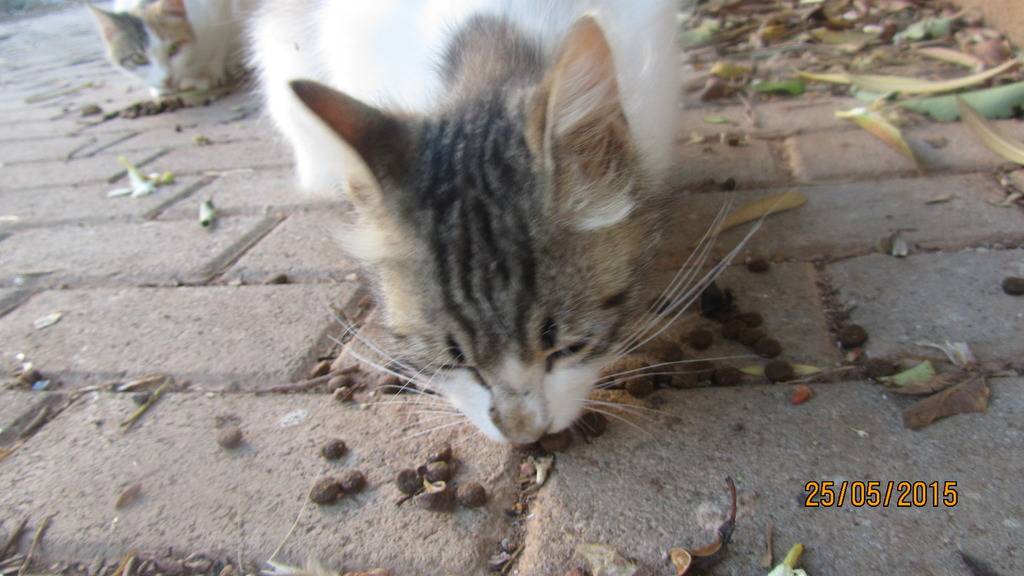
<point>521,422</point>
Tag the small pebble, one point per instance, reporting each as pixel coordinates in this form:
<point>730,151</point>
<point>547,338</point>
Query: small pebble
<point>726,376</point>
<point>778,371</point>
<point>471,495</point>
<point>877,368</point>
<point>1013,285</point>
<point>442,453</point>
<point>593,424</point>
<point>751,336</point>
<point>281,278</point>
<point>557,442</point>
<point>757,265</point>
<point>701,339</point>
<point>801,393</point>
<point>320,369</point>
<point>29,377</point>
<point>229,437</point>
<point>731,329</point>
<point>751,319</point>
<point>768,348</point>
<point>353,481</point>
<point>640,387</point>
<point>409,481</point>
<point>326,490</point>
<point>334,449</point>
<point>437,472</point>
<point>852,336</point>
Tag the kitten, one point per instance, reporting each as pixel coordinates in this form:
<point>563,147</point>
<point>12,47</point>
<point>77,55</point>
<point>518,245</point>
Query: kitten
<point>506,160</point>
<point>175,45</point>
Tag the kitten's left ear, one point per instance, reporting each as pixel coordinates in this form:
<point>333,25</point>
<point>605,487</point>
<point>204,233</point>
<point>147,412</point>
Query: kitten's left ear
<point>173,8</point>
<point>577,121</point>
<point>109,26</point>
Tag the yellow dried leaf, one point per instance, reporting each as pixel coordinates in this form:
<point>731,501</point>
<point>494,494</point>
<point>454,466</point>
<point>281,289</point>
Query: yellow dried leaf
<point>876,125</point>
<point>764,207</point>
<point>885,84</point>
<point>952,56</point>
<point>729,71</point>
<point>990,135</point>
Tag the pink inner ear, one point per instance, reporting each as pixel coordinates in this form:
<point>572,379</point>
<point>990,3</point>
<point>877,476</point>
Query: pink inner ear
<point>173,7</point>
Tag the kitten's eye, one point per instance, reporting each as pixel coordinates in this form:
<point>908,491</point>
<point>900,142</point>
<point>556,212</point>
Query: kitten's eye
<point>134,60</point>
<point>174,49</point>
<point>548,334</point>
<point>455,350</point>
<point>570,350</point>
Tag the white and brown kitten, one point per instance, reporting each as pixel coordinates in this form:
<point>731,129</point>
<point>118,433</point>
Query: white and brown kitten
<point>506,159</point>
<point>176,45</point>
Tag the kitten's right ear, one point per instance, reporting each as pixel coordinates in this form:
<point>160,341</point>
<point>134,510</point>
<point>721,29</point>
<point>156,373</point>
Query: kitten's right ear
<point>380,140</point>
<point>108,24</point>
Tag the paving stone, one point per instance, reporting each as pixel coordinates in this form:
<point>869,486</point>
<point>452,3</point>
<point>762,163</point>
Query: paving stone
<point>58,148</point>
<point>14,403</point>
<point>851,218</point>
<point>64,204</point>
<point>240,336</point>
<point>646,492</point>
<point>754,164</point>
<point>857,154</point>
<point>249,192</point>
<point>128,253</point>
<point>304,246</point>
<point>935,298</point>
<point>60,173</point>
<point>183,135</point>
<point>11,298</point>
<point>41,129</point>
<point>223,157</point>
<point>782,116</point>
<point>197,497</point>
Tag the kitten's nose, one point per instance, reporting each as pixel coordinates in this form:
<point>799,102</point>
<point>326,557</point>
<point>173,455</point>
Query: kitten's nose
<point>519,424</point>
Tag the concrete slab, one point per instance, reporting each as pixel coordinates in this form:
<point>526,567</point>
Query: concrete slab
<point>239,336</point>
<point>757,163</point>
<point>60,173</point>
<point>934,298</point>
<point>851,218</point>
<point>224,157</point>
<point>197,497</point>
<point>646,492</point>
<point>160,253</point>
<point>304,246</point>
<point>248,192</point>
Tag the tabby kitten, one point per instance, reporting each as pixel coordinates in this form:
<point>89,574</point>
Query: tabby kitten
<point>505,159</point>
<point>175,45</point>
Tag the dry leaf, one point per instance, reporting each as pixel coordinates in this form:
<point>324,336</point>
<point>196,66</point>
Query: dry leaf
<point>885,84</point>
<point>128,495</point>
<point>764,207</point>
<point>990,135</point>
<point>971,396</point>
<point>698,561</point>
<point>681,560</point>
<point>941,198</point>
<point>923,372</point>
<point>935,384</point>
<point>876,125</point>
<point>46,321</point>
<point>788,565</point>
<point>769,554</point>
<point>954,56</point>
<point>606,561</point>
<point>959,353</point>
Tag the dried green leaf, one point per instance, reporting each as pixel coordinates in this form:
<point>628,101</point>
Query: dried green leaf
<point>920,373</point>
<point>753,370</point>
<point>792,86</point>
<point>999,102</point>
<point>936,384</point>
<point>805,369</point>
<point>952,56</point>
<point>764,207</point>
<point>717,119</point>
<point>879,127</point>
<point>990,135</point>
<point>929,28</point>
<point>885,84</point>
<point>729,70</point>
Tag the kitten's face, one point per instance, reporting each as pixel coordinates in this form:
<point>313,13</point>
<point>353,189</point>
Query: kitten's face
<point>505,237</point>
<point>154,44</point>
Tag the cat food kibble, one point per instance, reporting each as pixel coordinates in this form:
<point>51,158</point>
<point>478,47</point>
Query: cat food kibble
<point>757,265</point>
<point>437,472</point>
<point>731,329</point>
<point>326,490</point>
<point>750,336</point>
<point>751,319</point>
<point>701,339</point>
<point>778,371</point>
<point>878,368</point>
<point>439,501</point>
<point>726,376</point>
<point>666,351</point>
<point>768,348</point>
<point>1013,285</point>
<point>442,453</point>
<point>409,481</point>
<point>352,482</point>
<point>334,449</point>
<point>471,495</point>
<point>640,387</point>
<point>557,442</point>
<point>392,384</point>
<point>593,424</point>
<point>852,336</point>
<point>229,437</point>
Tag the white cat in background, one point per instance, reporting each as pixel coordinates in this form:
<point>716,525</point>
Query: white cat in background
<point>176,45</point>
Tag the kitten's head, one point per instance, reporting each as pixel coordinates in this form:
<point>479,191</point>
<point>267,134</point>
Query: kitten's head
<point>505,236</point>
<point>154,42</point>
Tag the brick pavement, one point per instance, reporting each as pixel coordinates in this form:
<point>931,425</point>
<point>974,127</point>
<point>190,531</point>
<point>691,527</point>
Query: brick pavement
<point>143,289</point>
